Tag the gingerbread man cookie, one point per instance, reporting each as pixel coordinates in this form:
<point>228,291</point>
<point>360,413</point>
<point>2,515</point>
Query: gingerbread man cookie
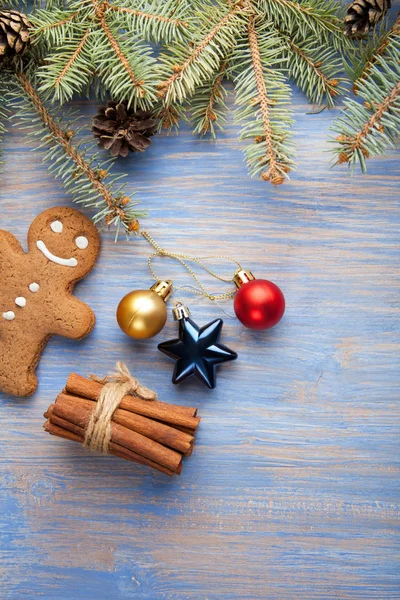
<point>36,287</point>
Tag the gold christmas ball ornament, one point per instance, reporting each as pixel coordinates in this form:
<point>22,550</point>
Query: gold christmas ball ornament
<point>142,314</point>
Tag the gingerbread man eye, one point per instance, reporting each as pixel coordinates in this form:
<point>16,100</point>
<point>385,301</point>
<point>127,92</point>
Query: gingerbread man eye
<point>56,226</point>
<point>82,242</point>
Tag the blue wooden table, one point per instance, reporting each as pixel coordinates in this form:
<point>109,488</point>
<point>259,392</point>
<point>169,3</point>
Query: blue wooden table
<point>292,491</point>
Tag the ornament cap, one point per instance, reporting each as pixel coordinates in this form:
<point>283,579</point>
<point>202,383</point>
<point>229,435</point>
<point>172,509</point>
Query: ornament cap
<point>162,289</point>
<point>180,311</point>
<point>242,276</point>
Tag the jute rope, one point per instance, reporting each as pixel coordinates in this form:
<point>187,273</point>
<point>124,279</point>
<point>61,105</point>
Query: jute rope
<point>116,386</point>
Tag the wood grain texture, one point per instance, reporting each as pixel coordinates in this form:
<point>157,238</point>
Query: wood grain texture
<point>292,491</point>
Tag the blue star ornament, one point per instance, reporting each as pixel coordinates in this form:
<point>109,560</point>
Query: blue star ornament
<point>197,351</point>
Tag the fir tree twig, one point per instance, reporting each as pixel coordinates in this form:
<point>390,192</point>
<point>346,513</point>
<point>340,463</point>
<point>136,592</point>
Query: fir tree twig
<point>315,71</point>
<point>69,162</point>
<point>54,25</point>
<point>369,129</point>
<point>208,104</point>
<point>261,93</point>
<point>169,116</point>
<point>273,174</point>
<point>191,67</point>
<point>318,16</point>
<point>73,59</point>
<point>99,38</point>
<point>3,117</point>
<point>373,52</point>
<point>155,26</point>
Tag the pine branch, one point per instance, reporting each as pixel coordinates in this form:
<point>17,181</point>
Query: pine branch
<point>315,69</point>
<point>262,94</point>
<point>52,22</point>
<point>191,66</point>
<point>73,58</point>
<point>69,69</point>
<point>320,17</point>
<point>3,117</point>
<point>169,116</point>
<point>4,114</point>
<point>373,52</point>
<point>315,80</point>
<point>119,53</point>
<point>274,172</point>
<point>156,26</point>
<point>208,106</point>
<point>95,37</point>
<point>369,129</point>
<point>81,176</point>
<point>126,68</point>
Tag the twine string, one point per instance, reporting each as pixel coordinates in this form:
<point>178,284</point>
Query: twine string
<point>182,258</point>
<point>116,386</point>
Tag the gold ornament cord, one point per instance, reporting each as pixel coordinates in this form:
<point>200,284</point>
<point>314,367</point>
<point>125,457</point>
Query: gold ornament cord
<point>182,258</point>
<point>117,385</point>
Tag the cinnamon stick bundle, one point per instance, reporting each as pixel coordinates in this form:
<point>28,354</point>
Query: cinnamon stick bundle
<point>151,433</point>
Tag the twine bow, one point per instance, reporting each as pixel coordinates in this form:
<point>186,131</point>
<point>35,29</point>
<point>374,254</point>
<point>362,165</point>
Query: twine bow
<point>116,386</point>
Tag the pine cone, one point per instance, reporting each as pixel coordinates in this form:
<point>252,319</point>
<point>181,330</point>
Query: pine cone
<point>362,15</point>
<point>120,129</point>
<point>14,33</point>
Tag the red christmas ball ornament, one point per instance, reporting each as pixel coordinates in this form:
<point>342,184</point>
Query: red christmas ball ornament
<point>259,303</point>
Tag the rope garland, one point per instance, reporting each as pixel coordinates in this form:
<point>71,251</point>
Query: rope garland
<point>116,386</point>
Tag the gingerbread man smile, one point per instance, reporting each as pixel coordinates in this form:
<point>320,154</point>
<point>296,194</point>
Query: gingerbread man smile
<point>66,262</point>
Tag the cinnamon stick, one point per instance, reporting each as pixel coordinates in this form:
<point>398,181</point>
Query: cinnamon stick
<point>148,432</point>
<point>60,432</point>
<point>64,429</point>
<point>180,416</point>
<point>78,410</point>
<point>154,430</point>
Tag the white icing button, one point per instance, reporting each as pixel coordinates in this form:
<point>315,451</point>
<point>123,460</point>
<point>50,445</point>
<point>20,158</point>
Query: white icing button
<point>82,242</point>
<point>34,287</point>
<point>20,301</point>
<point>9,315</point>
<point>56,226</point>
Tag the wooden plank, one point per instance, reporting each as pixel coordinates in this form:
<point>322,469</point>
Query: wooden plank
<point>292,490</point>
